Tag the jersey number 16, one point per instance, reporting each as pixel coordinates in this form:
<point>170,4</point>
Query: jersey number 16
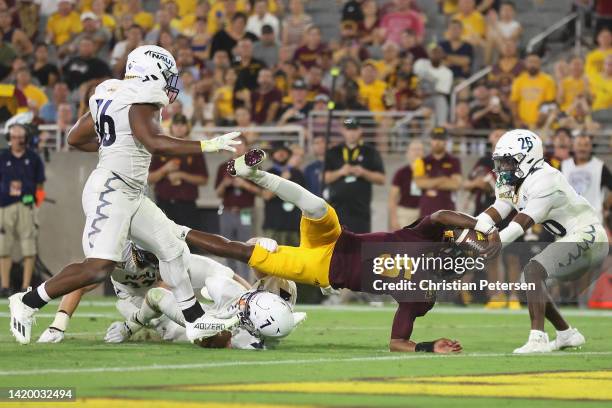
<point>105,125</point>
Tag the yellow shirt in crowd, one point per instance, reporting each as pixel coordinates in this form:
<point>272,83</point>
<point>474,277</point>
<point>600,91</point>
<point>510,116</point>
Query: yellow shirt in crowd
<point>145,20</point>
<point>373,94</point>
<point>184,6</point>
<point>529,93</point>
<point>601,89</point>
<point>217,11</point>
<point>474,24</point>
<point>34,93</point>
<point>572,87</point>
<point>224,102</point>
<point>595,61</point>
<point>62,28</point>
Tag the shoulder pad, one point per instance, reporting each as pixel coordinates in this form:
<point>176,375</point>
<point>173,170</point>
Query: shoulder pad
<point>142,91</point>
<point>542,182</point>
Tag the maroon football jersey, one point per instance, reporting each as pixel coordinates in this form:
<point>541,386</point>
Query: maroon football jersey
<point>345,267</point>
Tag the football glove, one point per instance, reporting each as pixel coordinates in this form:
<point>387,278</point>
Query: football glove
<point>223,142</point>
<point>117,332</point>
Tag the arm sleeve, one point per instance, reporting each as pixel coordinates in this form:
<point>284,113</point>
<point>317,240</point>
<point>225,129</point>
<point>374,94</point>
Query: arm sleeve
<point>403,322</point>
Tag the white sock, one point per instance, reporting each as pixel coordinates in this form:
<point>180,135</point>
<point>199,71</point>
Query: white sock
<point>61,321</point>
<point>312,206</point>
<point>162,302</point>
<point>126,308</point>
<point>43,293</point>
<point>174,274</point>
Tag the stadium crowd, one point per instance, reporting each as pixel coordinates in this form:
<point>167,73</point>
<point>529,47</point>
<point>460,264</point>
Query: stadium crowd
<point>246,63</point>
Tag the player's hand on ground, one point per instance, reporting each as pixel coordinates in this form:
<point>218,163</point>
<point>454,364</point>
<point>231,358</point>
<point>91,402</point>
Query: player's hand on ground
<point>223,142</point>
<point>446,346</point>
<point>51,335</point>
<point>117,332</point>
<point>494,245</point>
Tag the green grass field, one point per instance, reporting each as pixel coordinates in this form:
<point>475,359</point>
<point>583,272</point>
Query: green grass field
<point>338,357</point>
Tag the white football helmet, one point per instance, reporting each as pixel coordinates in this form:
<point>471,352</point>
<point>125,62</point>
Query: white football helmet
<point>517,152</point>
<point>266,315</point>
<point>154,63</point>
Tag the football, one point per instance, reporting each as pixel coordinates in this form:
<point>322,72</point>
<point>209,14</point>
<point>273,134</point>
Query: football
<point>470,240</point>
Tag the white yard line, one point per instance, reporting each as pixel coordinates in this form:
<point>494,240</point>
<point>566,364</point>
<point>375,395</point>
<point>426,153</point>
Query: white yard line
<point>155,367</point>
<point>75,316</point>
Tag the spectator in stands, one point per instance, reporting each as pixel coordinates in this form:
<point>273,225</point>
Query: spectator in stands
<point>409,44</point>
<point>314,78</point>
<point>474,24</point>
<point>98,7</point>
<point>370,22</point>
<point>404,194</point>
<point>371,89</point>
<point>407,96</point>
<point>297,111</point>
<point>48,112</point>
<point>603,11</point>
<point>351,169</point>
<point>36,96</point>
<point>306,56</point>
<point>266,49</point>
<point>223,99</point>
<point>63,24</point>
<point>118,59</point>
<point>588,174</point>
<point>562,147</point>
<point>580,118</point>
<point>236,211</point>
<point>92,29</point>
<point>177,178</point>
<point>261,17</point>
<point>266,100</point>
<point>246,65</point>
<point>462,120</point>
<point>595,59</point>
<point>459,54</point>
<point>493,114</point>
<point>140,17</point>
<point>572,86</point>
<point>45,73</point>
<point>85,66</point>
<point>502,28</point>
<point>200,39</point>
<point>186,62</point>
<point>314,170</point>
<point>227,38</point>
<point>529,91</point>
<point>481,180</point>
<point>7,56</point>
<point>22,174</point>
<point>438,175</point>
<point>15,36</point>
<point>28,14</point>
<point>508,67</point>
<point>164,24</point>
<point>436,82</point>
<point>400,17</point>
<point>221,14</point>
<point>601,89</point>
<point>282,219</point>
<point>295,24</point>
<point>245,123</point>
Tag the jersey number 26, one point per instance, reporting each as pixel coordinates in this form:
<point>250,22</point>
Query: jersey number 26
<point>105,125</point>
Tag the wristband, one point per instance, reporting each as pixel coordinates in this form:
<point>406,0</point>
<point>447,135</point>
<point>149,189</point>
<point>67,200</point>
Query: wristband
<point>426,346</point>
<point>483,226</point>
<point>511,232</point>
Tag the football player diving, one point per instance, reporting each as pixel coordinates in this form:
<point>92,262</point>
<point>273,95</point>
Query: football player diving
<point>329,256</point>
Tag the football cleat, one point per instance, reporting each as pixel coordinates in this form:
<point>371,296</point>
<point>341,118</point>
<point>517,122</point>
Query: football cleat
<point>537,343</point>
<point>567,338</point>
<point>207,326</point>
<point>51,335</point>
<point>244,165</point>
<point>22,318</point>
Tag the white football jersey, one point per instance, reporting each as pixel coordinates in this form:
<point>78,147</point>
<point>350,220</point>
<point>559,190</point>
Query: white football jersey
<point>119,151</point>
<point>547,197</point>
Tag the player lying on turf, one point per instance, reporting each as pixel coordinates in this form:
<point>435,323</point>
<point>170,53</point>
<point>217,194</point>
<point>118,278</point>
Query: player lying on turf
<point>329,256</point>
<point>265,311</point>
<point>135,281</point>
<point>542,195</point>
